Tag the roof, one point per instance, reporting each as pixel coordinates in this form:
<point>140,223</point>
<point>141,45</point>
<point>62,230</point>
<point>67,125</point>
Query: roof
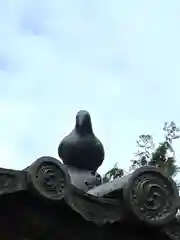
<point>145,198</point>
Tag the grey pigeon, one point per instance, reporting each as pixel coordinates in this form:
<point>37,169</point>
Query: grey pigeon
<point>81,148</point>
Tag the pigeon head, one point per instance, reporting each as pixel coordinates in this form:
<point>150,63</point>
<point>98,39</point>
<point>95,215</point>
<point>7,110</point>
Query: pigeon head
<point>83,123</point>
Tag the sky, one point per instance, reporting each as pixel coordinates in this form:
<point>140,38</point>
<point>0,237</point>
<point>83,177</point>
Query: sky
<point>120,60</point>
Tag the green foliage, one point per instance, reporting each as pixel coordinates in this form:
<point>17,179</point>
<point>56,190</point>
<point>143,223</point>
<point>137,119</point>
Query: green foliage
<point>161,159</point>
<point>163,156</point>
<point>171,131</point>
<point>145,144</point>
<point>113,173</point>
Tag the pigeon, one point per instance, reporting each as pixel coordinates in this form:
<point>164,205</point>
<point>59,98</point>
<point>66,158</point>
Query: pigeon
<point>81,148</point>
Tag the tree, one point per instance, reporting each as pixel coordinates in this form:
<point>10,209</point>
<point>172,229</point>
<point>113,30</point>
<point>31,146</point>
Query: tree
<point>163,156</point>
<point>171,131</point>
<point>166,161</point>
<point>145,144</point>
<point>113,173</point>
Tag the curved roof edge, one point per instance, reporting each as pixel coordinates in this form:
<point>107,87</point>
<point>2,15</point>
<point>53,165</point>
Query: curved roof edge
<point>146,196</point>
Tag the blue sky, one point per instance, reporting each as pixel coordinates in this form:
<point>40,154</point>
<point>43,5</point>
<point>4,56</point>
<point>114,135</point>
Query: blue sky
<point>120,60</point>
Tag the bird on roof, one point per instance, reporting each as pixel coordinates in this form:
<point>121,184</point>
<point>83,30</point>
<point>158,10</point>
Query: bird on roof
<point>81,148</point>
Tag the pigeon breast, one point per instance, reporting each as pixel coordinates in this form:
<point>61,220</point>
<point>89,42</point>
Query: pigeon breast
<point>85,152</point>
